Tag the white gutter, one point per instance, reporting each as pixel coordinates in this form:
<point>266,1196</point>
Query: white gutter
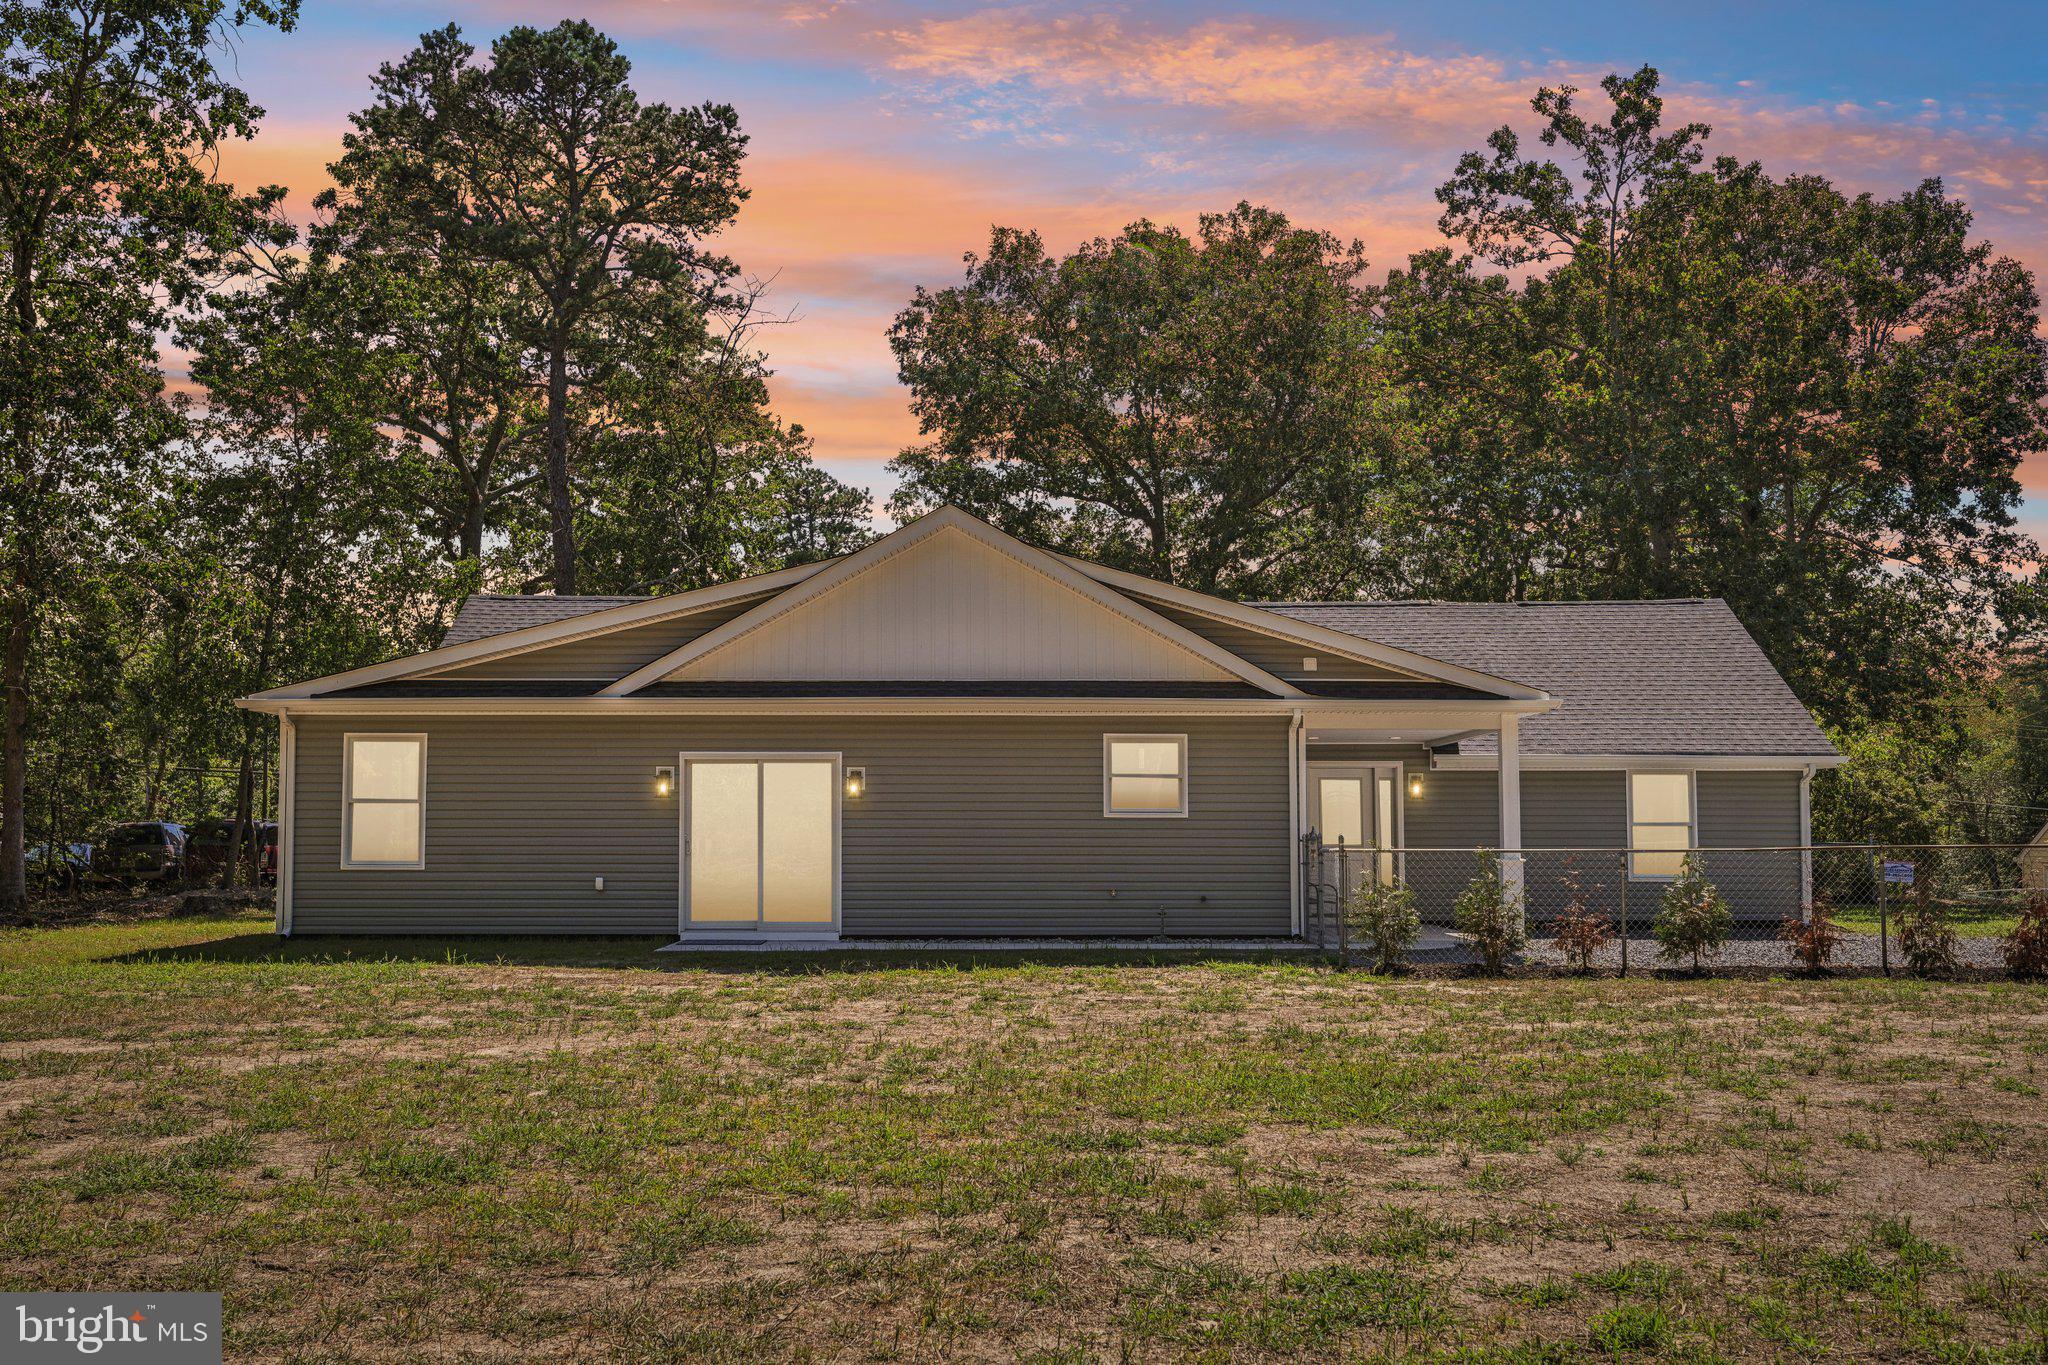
<point>1379,714</point>
<point>1486,763</point>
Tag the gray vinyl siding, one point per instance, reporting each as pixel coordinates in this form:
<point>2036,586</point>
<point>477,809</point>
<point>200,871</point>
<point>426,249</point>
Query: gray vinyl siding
<point>1277,656</point>
<point>1754,810</point>
<point>610,656</point>
<point>972,825</point>
<point>1589,811</point>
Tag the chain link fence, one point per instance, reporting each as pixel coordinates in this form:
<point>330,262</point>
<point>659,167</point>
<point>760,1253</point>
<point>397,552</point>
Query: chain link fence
<point>1611,898</point>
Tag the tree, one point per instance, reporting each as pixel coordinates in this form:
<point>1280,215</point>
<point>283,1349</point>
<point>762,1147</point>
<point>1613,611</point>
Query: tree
<point>544,162</point>
<point>110,218</point>
<point>1717,383</point>
<point>1514,212</point>
<point>1176,406</point>
<point>693,481</point>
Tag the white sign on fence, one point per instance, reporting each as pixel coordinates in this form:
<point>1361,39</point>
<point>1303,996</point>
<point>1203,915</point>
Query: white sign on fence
<point>1899,873</point>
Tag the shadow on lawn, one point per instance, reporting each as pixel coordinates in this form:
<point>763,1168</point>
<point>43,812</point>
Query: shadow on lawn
<point>641,954</point>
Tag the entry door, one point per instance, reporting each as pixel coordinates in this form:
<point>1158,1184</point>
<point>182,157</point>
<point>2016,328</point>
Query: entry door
<point>1354,803</point>
<point>761,842</point>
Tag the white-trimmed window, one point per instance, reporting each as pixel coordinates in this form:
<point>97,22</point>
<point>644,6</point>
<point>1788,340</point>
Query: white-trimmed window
<point>1145,776</point>
<point>1661,823</point>
<point>384,801</point>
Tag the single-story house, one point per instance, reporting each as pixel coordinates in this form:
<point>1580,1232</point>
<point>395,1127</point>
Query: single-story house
<point>950,733</point>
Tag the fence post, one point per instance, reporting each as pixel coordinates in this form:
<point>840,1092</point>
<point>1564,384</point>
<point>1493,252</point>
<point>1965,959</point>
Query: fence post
<point>1623,883</point>
<point>1343,905</point>
<point>1884,933</point>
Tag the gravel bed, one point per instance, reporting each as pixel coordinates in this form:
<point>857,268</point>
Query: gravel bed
<point>1855,950</point>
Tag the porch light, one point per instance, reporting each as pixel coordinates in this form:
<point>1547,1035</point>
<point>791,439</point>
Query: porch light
<point>856,783</point>
<point>664,781</point>
<point>1415,785</point>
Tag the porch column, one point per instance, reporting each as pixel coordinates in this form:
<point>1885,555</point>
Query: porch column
<point>1511,869</point>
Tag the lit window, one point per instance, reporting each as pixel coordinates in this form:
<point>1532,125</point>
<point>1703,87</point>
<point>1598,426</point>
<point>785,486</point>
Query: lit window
<point>1660,824</point>
<point>384,781</point>
<point>1145,775</point>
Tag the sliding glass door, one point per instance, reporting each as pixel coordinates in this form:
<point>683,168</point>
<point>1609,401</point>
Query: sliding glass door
<point>761,842</point>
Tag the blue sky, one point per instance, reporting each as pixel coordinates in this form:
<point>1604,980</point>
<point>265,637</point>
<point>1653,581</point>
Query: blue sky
<point>888,135</point>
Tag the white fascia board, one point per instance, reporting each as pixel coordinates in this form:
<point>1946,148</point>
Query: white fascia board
<point>1623,762</point>
<point>1322,637</point>
<point>910,534</point>
<point>551,633</point>
<point>1314,711</point>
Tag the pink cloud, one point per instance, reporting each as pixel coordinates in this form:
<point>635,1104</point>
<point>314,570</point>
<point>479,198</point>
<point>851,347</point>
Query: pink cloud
<point>1267,73</point>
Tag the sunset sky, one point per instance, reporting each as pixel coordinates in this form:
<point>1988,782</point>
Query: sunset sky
<point>888,136</point>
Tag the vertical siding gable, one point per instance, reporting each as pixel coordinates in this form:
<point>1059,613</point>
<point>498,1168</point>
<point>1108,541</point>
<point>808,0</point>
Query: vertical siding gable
<point>951,606</point>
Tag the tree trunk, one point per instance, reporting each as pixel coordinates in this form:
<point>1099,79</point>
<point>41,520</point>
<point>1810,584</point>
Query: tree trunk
<point>14,779</point>
<point>560,507</point>
<point>473,527</point>
<point>241,835</point>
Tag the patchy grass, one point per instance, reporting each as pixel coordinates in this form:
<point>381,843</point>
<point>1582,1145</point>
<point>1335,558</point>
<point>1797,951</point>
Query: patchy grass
<point>1969,921</point>
<point>390,1150</point>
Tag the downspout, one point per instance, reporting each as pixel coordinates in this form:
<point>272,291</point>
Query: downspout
<point>287,785</point>
<point>1806,842</point>
<point>1296,754</point>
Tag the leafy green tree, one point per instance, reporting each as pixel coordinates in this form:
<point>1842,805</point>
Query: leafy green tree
<point>543,161</point>
<point>1709,382</point>
<point>1181,407</point>
<point>110,219</point>
<point>693,481</point>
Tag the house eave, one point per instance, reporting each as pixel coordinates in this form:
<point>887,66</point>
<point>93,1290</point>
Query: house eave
<point>1326,711</point>
<point>1617,762</point>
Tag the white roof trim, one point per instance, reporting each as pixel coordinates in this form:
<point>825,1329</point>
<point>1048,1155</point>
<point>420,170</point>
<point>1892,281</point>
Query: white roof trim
<point>550,633</point>
<point>1322,637</point>
<point>1622,762</point>
<point>1411,712</point>
<point>903,538</point>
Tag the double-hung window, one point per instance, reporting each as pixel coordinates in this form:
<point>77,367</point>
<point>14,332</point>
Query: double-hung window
<point>384,799</point>
<point>1145,776</point>
<point>1660,824</point>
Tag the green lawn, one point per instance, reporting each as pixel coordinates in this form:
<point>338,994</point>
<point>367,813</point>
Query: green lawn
<point>396,1150</point>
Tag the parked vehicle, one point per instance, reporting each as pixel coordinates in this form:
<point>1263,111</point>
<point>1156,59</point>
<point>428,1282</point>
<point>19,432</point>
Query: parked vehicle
<point>58,867</point>
<point>144,851</point>
<point>206,852</point>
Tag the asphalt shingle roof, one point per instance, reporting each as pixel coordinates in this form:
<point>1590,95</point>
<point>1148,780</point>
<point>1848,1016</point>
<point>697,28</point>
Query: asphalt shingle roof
<point>1661,677</point>
<point>489,613</point>
<point>1658,677</point>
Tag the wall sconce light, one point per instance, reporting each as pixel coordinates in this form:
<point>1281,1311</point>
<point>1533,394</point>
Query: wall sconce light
<point>664,781</point>
<point>856,783</point>
<point>1415,786</point>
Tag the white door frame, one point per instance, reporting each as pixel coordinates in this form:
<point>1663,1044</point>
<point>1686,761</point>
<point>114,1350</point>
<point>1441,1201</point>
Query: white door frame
<point>1311,804</point>
<point>739,929</point>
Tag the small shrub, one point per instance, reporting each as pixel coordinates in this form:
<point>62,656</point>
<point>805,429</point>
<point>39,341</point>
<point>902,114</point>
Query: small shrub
<point>1692,919</point>
<point>1491,915</point>
<point>1926,937</point>
<point>1812,940</point>
<point>1581,931</point>
<point>1387,915</point>
<point>2026,947</point>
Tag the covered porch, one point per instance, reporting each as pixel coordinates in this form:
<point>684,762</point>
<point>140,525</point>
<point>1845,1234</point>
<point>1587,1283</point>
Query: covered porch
<point>1368,778</point>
